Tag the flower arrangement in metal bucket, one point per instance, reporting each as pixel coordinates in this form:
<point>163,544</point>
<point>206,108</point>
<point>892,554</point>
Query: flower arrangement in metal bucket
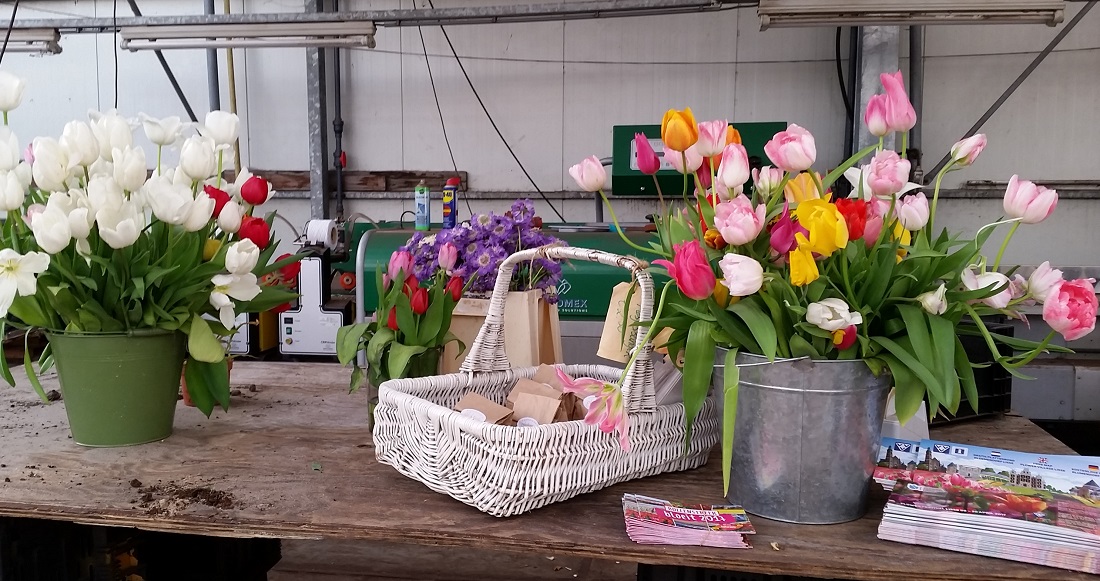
<point>483,243</point>
<point>93,244</point>
<point>788,270</point>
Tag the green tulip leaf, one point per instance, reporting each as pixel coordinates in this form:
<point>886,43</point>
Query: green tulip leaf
<point>698,369</point>
<point>202,344</point>
<point>207,383</point>
<point>377,344</point>
<point>398,360</point>
<point>347,341</point>
<point>731,376</point>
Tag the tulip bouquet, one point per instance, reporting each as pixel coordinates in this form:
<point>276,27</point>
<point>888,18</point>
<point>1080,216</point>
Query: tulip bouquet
<point>768,262</point>
<point>93,244</point>
<point>412,323</point>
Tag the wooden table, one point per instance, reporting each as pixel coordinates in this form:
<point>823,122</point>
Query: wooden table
<point>292,460</point>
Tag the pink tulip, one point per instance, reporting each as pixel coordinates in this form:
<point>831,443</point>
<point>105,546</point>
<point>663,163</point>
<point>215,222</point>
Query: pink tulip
<point>691,270</point>
<point>875,116</point>
<point>400,267</point>
<point>1070,308</point>
<point>1042,281</point>
<point>703,173</point>
<point>766,181</point>
<point>733,172</point>
<point>872,229</point>
<point>32,211</point>
<point>28,154</point>
<point>448,257</point>
<point>589,174</point>
<point>676,158</point>
<point>607,412</point>
<point>912,211</point>
<point>793,150</point>
<point>990,280</point>
<point>737,221</point>
<point>712,137</point>
<point>648,162</point>
<point>784,230</point>
<point>965,151</point>
<point>1028,202</point>
<point>900,115</point>
<point>887,173</point>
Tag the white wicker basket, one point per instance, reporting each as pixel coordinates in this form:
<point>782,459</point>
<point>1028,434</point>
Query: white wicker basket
<point>505,471</point>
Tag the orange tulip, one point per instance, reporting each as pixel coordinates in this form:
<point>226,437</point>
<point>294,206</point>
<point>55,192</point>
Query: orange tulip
<point>733,135</point>
<point>713,239</point>
<point>678,129</point>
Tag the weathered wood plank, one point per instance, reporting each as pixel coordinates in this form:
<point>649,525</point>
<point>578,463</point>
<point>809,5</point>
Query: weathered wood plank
<point>267,450</point>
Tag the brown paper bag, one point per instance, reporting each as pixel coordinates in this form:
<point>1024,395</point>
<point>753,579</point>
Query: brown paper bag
<point>542,409</point>
<point>494,413</point>
<point>533,388</point>
<point>532,334</point>
<point>612,345</point>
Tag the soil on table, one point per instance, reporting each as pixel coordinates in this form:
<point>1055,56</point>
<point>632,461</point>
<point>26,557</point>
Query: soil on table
<point>169,499</point>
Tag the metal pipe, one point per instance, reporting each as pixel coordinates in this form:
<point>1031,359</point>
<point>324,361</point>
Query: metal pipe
<point>853,61</point>
<point>337,125</point>
<point>1020,79</point>
<point>168,72</point>
<point>213,80</point>
<point>543,12</point>
<point>916,97</point>
<point>231,72</point>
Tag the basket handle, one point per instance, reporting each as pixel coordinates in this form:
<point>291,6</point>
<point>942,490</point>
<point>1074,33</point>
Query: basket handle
<point>487,353</point>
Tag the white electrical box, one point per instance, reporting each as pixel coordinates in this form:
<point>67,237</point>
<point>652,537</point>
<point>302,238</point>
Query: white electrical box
<point>309,329</point>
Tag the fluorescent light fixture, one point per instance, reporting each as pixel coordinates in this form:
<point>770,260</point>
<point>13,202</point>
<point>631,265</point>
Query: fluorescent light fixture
<point>33,40</point>
<point>268,35</point>
<point>788,13</point>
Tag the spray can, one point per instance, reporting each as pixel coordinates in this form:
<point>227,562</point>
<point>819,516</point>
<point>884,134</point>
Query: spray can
<point>423,207</point>
<point>450,203</point>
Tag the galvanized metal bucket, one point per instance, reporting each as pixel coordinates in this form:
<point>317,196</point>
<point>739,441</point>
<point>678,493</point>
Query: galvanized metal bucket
<point>806,437</point>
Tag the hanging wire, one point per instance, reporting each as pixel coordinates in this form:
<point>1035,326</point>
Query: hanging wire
<point>7,35</point>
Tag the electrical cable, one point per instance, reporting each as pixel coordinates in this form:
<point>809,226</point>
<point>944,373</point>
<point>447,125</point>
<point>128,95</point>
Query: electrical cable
<point>439,109</point>
<point>848,107</point>
<point>493,122</point>
<point>7,35</point>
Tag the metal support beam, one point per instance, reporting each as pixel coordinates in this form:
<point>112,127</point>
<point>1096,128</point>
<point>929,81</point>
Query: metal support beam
<point>416,17</point>
<point>213,81</point>
<point>316,115</point>
<point>168,72</point>
<point>878,53</point>
<point>1039,58</point>
<point>916,96</point>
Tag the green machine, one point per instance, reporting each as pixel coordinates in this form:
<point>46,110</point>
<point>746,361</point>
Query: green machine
<point>628,181</point>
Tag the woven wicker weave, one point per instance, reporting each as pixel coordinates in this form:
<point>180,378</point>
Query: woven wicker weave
<point>504,470</point>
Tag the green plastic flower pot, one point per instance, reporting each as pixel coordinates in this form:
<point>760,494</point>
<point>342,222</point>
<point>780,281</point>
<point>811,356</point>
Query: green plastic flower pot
<point>119,389</point>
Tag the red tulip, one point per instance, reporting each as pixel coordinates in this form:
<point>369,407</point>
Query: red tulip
<point>290,271</point>
<point>256,230</point>
<point>411,284</point>
<point>219,196</point>
<point>845,338</point>
<point>391,321</point>
<point>419,301</point>
<point>690,269</point>
<point>454,286</point>
<point>855,216</point>
<point>281,308</point>
<point>255,190</point>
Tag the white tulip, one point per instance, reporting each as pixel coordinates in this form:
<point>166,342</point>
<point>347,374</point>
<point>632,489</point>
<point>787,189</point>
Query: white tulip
<point>973,281</point>
<point>222,127</point>
<point>230,219</point>
<point>120,227</point>
<point>198,214</point>
<point>76,205</point>
<point>934,302</point>
<point>11,91</point>
<point>241,257</point>
<point>241,287</point>
<point>170,203</point>
<point>197,159</point>
<point>23,172</point>
<point>234,189</point>
<point>111,131</point>
<point>162,131</point>
<point>10,153</point>
<point>101,168</point>
<point>52,166</point>
<point>831,315</point>
<point>78,139</point>
<point>130,170</point>
<point>104,193</point>
<point>19,275</point>
<point>12,192</point>
<point>51,230</point>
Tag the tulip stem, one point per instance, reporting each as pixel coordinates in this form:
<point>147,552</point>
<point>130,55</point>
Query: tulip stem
<point>881,142</point>
<point>660,194</point>
<point>649,334</point>
<point>220,154</point>
<point>684,161</point>
<point>622,234</point>
<point>936,197</point>
<point>817,182</point>
<point>1004,245</point>
<point>904,143</point>
<point>5,117</point>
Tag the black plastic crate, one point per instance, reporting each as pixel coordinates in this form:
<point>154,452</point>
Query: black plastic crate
<point>994,382</point>
<point>673,573</point>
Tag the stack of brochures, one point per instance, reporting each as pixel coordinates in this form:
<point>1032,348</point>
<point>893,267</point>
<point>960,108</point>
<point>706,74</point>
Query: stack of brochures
<point>654,521</point>
<point>1036,508</point>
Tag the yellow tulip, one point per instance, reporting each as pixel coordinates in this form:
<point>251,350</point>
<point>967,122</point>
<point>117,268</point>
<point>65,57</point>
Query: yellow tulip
<point>801,188</point>
<point>713,239</point>
<point>721,294</point>
<point>678,129</point>
<point>803,267</point>
<point>906,239</point>
<point>210,248</point>
<point>661,338</point>
<point>828,230</point>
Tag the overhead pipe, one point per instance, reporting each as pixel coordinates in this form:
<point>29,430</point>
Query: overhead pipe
<point>338,158</point>
<point>231,72</point>
<point>916,97</point>
<point>213,81</point>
